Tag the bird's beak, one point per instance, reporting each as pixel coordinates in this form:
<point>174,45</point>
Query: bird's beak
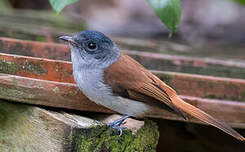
<point>68,39</point>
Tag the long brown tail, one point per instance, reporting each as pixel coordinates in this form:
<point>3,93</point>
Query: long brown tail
<point>199,114</point>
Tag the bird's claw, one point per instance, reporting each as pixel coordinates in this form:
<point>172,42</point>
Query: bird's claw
<point>116,124</point>
<point>120,129</point>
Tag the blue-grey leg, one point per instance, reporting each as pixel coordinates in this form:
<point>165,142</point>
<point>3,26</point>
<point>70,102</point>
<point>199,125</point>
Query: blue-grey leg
<point>116,124</point>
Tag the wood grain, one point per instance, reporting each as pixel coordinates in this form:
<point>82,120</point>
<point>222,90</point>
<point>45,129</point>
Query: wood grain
<point>26,128</point>
<point>154,61</point>
<point>67,95</point>
<point>184,84</point>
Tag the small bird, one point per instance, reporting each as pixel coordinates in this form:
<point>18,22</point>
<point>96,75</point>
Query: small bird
<point>118,82</point>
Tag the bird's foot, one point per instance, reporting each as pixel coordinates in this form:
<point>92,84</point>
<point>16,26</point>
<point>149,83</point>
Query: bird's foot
<point>116,124</point>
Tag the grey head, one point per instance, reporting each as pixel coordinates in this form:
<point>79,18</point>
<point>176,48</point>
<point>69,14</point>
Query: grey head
<point>92,50</point>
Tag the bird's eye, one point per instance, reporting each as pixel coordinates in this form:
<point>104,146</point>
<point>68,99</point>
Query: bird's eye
<point>92,46</point>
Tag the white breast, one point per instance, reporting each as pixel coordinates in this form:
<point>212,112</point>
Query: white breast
<point>92,85</point>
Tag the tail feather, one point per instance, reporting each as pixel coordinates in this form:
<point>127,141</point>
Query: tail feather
<point>199,114</point>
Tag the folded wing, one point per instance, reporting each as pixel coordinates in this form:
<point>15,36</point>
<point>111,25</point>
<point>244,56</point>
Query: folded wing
<point>129,79</point>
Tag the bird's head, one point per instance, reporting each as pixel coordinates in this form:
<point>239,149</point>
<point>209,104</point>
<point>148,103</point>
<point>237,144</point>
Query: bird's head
<point>92,49</point>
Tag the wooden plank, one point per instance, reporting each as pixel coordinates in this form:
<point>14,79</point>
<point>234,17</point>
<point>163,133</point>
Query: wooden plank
<point>27,129</point>
<point>175,63</point>
<point>228,111</point>
<point>154,61</point>
<point>185,84</point>
<point>47,19</point>
<point>67,95</point>
<point>39,68</point>
<point>34,49</point>
<point>205,86</point>
<point>25,24</point>
<point>49,93</point>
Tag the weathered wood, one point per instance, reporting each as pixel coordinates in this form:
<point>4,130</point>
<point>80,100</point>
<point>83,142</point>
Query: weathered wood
<point>179,137</point>
<point>37,25</point>
<point>49,93</point>
<point>192,65</point>
<point>34,49</point>
<point>154,61</point>
<point>67,95</point>
<point>39,68</point>
<point>205,86</point>
<point>185,84</point>
<point>27,129</point>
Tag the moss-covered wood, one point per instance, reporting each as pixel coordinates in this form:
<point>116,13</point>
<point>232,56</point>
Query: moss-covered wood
<point>100,138</point>
<point>46,26</point>
<point>61,71</point>
<point>26,128</point>
<point>68,96</point>
<point>153,61</point>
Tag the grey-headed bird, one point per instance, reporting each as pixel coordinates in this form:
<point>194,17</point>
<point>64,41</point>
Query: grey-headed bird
<point>118,82</point>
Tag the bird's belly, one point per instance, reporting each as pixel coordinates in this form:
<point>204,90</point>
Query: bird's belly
<point>94,88</point>
<point>100,93</point>
<point>104,97</point>
<point>126,106</point>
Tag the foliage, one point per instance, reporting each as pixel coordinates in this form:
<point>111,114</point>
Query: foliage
<point>169,12</point>
<point>241,1</point>
<point>58,5</point>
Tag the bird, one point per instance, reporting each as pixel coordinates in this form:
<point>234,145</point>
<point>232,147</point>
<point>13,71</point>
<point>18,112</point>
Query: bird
<point>114,80</point>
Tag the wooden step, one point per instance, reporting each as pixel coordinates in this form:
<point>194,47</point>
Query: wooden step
<point>184,84</point>
<point>154,61</point>
<point>67,95</point>
<point>37,25</point>
<point>26,128</point>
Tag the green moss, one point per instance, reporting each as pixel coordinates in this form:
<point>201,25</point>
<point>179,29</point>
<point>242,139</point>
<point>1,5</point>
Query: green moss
<point>56,90</point>
<point>71,93</point>
<point>12,68</point>
<point>213,70</point>
<point>224,97</point>
<point>212,96</point>
<point>10,92</point>
<point>41,38</point>
<point>6,115</point>
<point>243,96</point>
<point>36,68</point>
<point>8,67</point>
<point>103,138</point>
<point>10,117</point>
<point>190,67</point>
<point>146,138</point>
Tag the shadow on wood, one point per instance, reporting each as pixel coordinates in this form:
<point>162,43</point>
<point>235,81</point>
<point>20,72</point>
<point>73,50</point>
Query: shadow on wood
<point>26,128</point>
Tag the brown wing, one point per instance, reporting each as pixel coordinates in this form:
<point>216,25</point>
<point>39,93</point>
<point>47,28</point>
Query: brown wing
<point>129,79</point>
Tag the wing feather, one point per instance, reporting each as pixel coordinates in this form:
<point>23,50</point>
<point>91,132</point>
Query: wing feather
<point>127,82</point>
<point>129,79</point>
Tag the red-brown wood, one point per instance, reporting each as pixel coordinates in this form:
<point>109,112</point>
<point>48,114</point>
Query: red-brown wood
<point>67,95</point>
<point>48,93</point>
<point>184,84</point>
<point>150,60</point>
<point>34,49</point>
<point>60,90</point>
<point>38,68</point>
